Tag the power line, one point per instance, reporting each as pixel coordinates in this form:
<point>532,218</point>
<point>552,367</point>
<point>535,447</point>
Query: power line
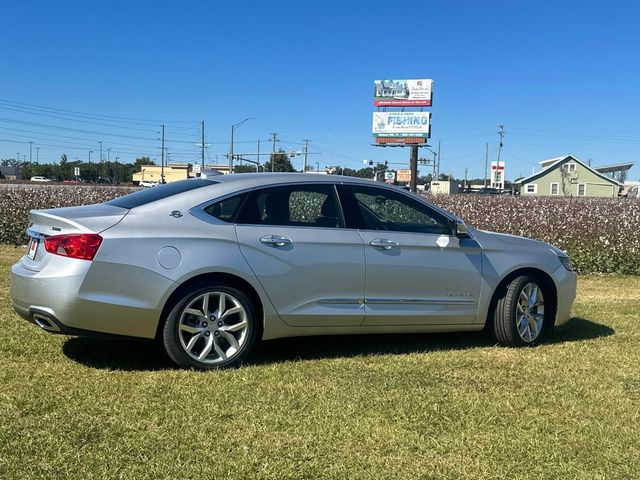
<point>93,132</point>
<point>79,120</point>
<point>98,116</point>
<point>90,132</point>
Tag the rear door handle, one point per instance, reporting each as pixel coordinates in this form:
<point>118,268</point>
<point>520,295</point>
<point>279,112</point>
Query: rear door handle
<point>276,241</point>
<point>384,244</point>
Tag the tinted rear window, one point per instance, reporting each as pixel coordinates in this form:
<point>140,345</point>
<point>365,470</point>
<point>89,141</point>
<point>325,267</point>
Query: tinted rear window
<point>157,193</point>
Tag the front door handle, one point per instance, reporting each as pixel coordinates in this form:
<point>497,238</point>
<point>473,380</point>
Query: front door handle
<point>276,241</point>
<point>384,244</point>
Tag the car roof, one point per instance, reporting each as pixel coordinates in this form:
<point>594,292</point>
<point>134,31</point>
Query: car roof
<point>264,179</point>
<point>223,185</point>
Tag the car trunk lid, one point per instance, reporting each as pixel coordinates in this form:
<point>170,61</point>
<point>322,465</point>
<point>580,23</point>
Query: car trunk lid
<point>70,220</point>
<point>84,219</point>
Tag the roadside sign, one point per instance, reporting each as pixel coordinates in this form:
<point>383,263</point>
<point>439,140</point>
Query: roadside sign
<point>404,176</point>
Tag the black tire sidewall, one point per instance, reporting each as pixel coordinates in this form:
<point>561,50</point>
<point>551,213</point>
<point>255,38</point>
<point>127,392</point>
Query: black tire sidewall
<point>505,325</point>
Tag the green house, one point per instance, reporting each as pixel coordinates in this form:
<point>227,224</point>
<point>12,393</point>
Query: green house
<point>568,176</point>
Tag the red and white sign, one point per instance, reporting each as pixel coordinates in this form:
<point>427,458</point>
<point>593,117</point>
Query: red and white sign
<point>497,175</point>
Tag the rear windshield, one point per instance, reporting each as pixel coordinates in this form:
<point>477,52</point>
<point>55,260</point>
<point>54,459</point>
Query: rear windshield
<point>159,192</point>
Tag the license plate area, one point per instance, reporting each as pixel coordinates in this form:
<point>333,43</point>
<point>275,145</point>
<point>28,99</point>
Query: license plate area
<point>33,248</point>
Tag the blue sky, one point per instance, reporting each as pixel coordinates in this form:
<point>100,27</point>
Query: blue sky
<point>562,77</point>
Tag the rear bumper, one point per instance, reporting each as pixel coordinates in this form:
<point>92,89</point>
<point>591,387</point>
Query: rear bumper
<point>566,282</point>
<point>47,321</point>
<point>86,298</point>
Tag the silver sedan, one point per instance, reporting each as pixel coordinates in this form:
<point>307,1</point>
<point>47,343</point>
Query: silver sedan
<point>213,266</point>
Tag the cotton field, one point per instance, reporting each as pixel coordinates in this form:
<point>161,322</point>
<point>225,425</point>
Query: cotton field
<point>601,235</point>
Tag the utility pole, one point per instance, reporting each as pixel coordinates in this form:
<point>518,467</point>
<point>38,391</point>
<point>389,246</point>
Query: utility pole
<point>486,162</point>
<point>106,170</point>
<point>38,155</point>
<point>231,151</point>
<point>100,162</point>
<point>30,148</point>
<point>500,136</point>
<point>115,172</point>
<point>274,139</point>
<point>258,164</point>
<point>306,154</point>
<point>202,147</point>
<point>465,178</point>
<point>162,156</point>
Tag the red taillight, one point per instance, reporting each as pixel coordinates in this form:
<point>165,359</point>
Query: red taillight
<point>77,245</point>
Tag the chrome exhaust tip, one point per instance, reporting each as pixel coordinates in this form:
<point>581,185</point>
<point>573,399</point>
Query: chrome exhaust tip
<point>45,323</point>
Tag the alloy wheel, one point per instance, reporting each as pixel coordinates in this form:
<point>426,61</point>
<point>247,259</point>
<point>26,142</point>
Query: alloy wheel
<point>213,327</point>
<point>530,312</point>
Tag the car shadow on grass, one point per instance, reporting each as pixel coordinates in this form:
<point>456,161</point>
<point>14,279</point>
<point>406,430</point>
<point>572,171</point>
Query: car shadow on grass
<point>117,354</point>
<point>139,355</point>
<point>324,347</point>
<point>579,329</point>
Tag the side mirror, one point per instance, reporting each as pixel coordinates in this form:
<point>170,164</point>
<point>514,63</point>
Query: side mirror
<point>461,229</point>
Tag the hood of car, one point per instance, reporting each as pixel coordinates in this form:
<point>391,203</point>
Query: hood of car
<point>494,240</point>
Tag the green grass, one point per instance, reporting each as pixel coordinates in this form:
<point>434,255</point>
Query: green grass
<point>375,407</point>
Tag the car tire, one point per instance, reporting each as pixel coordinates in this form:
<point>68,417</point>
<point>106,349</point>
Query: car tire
<point>212,326</point>
<point>522,313</point>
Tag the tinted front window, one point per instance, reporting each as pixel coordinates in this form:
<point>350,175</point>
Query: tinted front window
<point>381,209</point>
<point>298,206</point>
<point>158,193</point>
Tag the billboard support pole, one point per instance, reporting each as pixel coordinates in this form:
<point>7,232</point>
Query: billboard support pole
<point>439,158</point>
<point>413,165</point>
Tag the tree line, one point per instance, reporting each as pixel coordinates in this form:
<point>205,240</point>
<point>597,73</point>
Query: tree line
<point>122,172</point>
<point>116,172</point>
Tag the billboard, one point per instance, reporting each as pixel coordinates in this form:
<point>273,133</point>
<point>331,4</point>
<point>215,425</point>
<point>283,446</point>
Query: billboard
<point>401,124</point>
<point>403,93</point>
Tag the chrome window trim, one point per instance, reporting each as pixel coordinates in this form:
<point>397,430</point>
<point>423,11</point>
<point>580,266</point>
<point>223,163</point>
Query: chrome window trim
<point>198,210</point>
<point>199,213</point>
